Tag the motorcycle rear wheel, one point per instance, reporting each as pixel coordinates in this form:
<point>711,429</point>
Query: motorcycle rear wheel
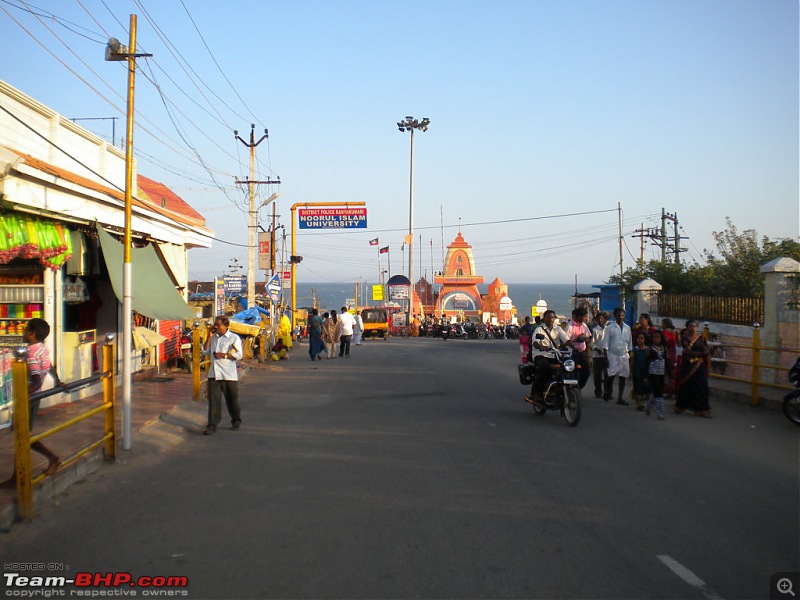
<point>791,407</point>
<point>572,406</point>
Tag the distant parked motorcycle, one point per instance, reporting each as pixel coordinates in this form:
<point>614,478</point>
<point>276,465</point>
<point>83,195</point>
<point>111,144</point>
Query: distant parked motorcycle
<point>186,348</point>
<point>791,402</point>
<point>457,331</point>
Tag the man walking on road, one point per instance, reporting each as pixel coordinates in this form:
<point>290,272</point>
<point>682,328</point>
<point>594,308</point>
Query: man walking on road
<point>348,322</point>
<point>618,345</point>
<point>225,348</point>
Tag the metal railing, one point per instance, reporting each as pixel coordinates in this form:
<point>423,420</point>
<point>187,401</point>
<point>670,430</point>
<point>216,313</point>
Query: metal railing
<point>22,433</point>
<point>755,364</point>
<point>737,311</point>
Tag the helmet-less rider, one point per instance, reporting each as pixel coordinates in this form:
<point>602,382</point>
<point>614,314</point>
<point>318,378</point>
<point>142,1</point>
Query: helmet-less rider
<point>547,338</point>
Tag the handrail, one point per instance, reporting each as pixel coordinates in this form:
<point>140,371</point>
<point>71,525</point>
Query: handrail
<point>70,387</point>
<point>22,433</point>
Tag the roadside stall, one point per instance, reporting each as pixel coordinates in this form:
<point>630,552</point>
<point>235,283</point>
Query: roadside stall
<point>250,325</point>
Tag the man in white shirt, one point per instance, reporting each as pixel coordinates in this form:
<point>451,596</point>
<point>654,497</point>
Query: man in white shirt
<point>348,322</point>
<point>547,338</point>
<point>225,348</point>
<point>618,345</point>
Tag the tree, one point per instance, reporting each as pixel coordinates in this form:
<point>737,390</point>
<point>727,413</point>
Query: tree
<point>737,269</point>
<point>734,271</point>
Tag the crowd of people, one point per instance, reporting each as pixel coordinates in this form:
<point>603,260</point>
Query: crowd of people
<point>330,330</point>
<point>660,361</point>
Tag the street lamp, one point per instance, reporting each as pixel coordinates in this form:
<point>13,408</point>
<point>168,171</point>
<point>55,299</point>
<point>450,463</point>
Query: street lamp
<point>410,124</point>
<point>115,51</point>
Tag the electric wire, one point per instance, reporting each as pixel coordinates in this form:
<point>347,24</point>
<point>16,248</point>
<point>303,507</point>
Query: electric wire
<point>151,79</point>
<point>211,54</point>
<point>87,167</point>
<point>56,19</point>
<point>199,159</point>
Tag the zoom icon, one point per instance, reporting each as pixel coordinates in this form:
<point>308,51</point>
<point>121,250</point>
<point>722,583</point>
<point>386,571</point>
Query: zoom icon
<point>783,586</point>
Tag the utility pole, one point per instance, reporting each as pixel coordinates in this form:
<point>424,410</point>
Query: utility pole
<point>117,52</point>
<point>619,220</point>
<point>251,223</point>
<point>676,237</point>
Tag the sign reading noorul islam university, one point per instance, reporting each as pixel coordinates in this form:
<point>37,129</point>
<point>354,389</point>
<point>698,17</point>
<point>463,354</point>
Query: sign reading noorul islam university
<point>332,218</point>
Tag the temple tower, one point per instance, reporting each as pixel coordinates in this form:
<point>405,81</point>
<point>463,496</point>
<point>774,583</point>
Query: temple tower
<point>459,295</point>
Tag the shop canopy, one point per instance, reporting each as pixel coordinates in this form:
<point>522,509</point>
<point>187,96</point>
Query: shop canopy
<point>153,294</point>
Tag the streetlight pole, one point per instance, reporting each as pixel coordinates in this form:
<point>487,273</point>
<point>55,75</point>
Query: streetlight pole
<point>117,52</point>
<point>410,124</point>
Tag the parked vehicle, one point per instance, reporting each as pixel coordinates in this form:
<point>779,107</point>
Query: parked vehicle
<point>376,323</point>
<point>791,402</point>
<point>186,348</point>
<point>457,331</point>
<point>561,392</point>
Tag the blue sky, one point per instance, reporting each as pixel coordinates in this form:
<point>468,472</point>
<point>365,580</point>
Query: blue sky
<point>538,110</point>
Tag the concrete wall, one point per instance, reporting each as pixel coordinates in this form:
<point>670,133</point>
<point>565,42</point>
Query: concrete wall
<point>780,330</point>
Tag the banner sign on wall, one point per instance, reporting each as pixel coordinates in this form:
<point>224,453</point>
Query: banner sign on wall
<point>332,218</point>
<point>264,262</point>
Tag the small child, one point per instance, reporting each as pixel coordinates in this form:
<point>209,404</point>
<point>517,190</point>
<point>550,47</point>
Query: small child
<point>657,369</point>
<point>279,351</point>
<point>639,361</point>
<point>42,376</point>
<point>525,334</point>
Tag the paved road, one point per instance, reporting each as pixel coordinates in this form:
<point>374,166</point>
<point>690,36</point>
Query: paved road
<point>414,470</point>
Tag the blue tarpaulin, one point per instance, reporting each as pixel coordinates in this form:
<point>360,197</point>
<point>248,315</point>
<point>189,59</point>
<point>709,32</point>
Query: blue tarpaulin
<point>251,316</point>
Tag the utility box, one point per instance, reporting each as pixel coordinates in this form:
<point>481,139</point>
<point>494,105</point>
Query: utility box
<point>78,354</point>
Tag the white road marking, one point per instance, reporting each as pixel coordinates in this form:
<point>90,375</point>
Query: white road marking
<point>688,577</point>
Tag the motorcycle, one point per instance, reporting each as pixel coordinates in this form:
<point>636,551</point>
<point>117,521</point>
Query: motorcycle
<point>791,402</point>
<point>457,331</point>
<point>186,348</point>
<point>471,329</point>
<point>561,392</point>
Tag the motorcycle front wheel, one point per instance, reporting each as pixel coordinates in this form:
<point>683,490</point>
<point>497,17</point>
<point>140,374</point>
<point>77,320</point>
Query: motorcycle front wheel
<point>791,407</point>
<point>572,406</point>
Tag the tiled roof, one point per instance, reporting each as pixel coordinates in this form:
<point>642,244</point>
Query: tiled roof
<point>162,197</point>
<point>149,194</point>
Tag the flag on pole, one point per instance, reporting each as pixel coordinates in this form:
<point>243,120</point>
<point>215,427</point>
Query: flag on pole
<point>373,242</point>
<point>384,250</point>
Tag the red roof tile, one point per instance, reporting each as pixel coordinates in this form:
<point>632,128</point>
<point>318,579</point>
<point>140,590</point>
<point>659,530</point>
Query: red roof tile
<point>164,198</point>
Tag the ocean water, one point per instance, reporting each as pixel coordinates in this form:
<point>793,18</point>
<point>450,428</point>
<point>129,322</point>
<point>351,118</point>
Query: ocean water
<point>523,295</point>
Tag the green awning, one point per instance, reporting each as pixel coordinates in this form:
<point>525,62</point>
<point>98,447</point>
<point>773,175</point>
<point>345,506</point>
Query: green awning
<point>153,292</point>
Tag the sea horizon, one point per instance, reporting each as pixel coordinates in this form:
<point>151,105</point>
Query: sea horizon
<point>558,296</point>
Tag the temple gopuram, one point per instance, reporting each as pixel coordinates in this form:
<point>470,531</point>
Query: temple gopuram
<point>459,294</point>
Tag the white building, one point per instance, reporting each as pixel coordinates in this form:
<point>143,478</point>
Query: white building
<point>61,208</point>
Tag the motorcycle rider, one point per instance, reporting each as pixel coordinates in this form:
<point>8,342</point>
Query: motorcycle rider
<point>547,338</point>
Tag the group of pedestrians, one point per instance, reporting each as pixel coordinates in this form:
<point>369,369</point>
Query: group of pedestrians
<point>659,362</point>
<point>224,349</point>
<point>331,329</point>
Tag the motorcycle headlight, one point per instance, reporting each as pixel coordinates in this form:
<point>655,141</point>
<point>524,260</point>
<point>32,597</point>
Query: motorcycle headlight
<point>569,365</point>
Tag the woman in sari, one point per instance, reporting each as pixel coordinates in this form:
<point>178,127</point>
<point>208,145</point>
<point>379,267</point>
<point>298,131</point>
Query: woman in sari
<point>693,382</point>
<point>671,342</point>
<point>314,335</point>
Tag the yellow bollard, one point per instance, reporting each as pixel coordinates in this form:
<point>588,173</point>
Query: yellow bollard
<point>110,395</point>
<point>22,434</point>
